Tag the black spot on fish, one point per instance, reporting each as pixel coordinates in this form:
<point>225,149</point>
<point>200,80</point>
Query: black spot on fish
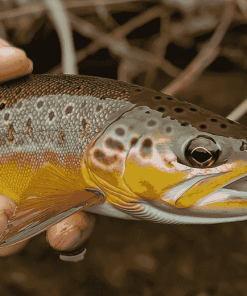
<point>202,126</point>
<point>84,122</point>
<point>152,122</point>
<point>168,129</point>
<point>147,143</point>
<point>40,104</point>
<point>158,97</point>
<point>147,112</point>
<point>6,116</point>
<point>101,157</point>
<point>214,120</point>
<point>161,109</point>
<point>179,110</point>
<point>184,124</point>
<point>146,148</point>
<point>133,141</point>
<point>223,125</point>
<point>120,131</point>
<point>51,115</point>
<point>29,122</point>
<point>193,109</point>
<point>61,137</point>
<point>169,98</point>
<point>114,144</point>
<point>83,104</point>
<point>19,105</point>
<point>138,89</point>
<point>68,110</point>
<point>99,107</point>
<point>2,106</point>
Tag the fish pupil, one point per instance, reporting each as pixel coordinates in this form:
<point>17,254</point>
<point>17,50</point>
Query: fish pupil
<point>201,155</point>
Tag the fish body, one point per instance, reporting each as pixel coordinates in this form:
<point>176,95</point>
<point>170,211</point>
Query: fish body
<point>69,143</point>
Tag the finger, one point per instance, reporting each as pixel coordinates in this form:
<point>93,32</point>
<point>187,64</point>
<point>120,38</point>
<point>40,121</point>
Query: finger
<point>10,250</point>
<point>72,232</point>
<point>13,62</point>
<point>7,209</point>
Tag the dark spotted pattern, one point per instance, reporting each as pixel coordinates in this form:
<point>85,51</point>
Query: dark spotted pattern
<point>6,116</point>
<point>120,131</point>
<point>168,129</point>
<point>19,105</point>
<point>40,104</point>
<point>42,85</point>
<point>11,131</point>
<point>29,121</point>
<point>152,122</point>
<point>133,141</point>
<point>102,158</point>
<point>114,144</point>
<point>99,107</point>
<point>51,115</point>
<point>146,148</point>
<point>68,110</point>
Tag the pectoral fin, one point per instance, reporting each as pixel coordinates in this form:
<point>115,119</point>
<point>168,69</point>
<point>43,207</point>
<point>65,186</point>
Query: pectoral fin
<point>50,197</point>
<point>29,222</point>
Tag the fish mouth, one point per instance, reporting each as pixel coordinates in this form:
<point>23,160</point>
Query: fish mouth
<point>228,200</point>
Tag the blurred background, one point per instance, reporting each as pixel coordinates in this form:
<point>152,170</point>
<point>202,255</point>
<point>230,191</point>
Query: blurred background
<point>193,49</point>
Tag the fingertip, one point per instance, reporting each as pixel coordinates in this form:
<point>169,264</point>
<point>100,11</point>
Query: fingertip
<point>72,232</point>
<point>7,209</point>
<point>12,249</point>
<point>13,63</point>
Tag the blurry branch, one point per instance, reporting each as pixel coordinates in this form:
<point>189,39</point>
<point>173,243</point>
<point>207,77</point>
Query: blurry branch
<point>61,22</point>
<point>39,7</point>
<point>239,111</point>
<point>159,46</point>
<point>205,57</point>
<point>243,7</point>
<point>104,15</point>
<point>80,55</point>
<point>117,45</point>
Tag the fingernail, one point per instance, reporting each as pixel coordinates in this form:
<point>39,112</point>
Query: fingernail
<point>74,256</point>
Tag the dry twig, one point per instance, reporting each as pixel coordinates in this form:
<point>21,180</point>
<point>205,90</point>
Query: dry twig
<point>205,57</point>
<point>61,22</point>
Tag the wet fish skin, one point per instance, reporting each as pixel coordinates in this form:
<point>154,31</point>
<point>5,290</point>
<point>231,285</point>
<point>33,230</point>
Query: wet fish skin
<point>69,143</point>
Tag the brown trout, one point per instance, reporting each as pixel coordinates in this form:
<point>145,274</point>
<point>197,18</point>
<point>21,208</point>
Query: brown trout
<point>70,143</point>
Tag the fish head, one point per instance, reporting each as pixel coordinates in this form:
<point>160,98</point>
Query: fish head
<point>167,168</point>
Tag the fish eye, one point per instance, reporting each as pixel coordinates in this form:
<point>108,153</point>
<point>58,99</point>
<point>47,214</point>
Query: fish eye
<point>202,152</point>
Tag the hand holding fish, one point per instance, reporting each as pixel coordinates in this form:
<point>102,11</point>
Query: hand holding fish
<point>70,233</point>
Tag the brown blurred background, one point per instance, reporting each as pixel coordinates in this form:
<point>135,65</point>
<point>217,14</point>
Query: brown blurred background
<point>193,49</point>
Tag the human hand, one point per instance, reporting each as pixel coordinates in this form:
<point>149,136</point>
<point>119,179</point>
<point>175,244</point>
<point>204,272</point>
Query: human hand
<point>69,234</point>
